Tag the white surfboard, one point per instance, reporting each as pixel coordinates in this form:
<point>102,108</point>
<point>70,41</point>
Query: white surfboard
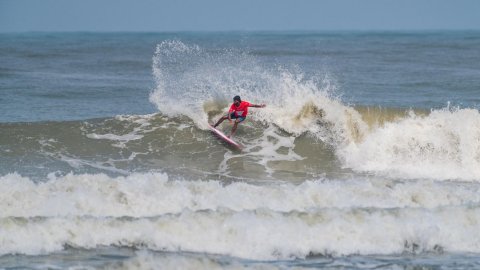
<point>224,138</point>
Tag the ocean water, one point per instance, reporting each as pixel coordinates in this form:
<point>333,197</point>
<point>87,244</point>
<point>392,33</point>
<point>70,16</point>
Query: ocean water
<point>367,155</point>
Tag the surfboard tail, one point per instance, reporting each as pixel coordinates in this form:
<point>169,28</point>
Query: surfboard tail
<point>225,138</point>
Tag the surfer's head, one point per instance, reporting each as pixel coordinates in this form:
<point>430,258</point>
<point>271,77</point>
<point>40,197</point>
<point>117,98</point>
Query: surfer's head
<point>237,99</point>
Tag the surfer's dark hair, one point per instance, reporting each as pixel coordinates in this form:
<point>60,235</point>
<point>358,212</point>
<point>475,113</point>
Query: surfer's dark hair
<point>237,98</point>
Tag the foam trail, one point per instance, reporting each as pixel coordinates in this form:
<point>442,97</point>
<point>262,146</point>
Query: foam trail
<point>137,133</point>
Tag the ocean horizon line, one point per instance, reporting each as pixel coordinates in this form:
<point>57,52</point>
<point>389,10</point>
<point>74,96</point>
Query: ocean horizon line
<point>292,31</point>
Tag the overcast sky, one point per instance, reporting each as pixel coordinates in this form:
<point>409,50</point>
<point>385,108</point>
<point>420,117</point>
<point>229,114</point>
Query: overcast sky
<point>226,15</point>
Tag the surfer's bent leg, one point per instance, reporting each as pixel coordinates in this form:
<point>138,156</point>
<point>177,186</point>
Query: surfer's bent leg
<point>234,128</point>
<point>220,121</point>
<point>232,116</point>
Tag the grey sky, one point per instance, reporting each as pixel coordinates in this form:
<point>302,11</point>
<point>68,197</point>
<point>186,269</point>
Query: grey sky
<point>224,15</point>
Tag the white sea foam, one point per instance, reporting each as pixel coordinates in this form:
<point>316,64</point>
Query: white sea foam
<point>443,145</point>
<point>141,124</point>
<point>153,194</point>
<point>260,234</point>
<point>113,137</point>
<point>269,221</point>
<point>264,150</point>
<point>154,260</point>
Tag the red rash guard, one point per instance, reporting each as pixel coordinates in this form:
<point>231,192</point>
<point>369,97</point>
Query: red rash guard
<point>241,110</point>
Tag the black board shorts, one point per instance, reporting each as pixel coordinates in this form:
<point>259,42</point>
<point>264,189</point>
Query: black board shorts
<point>234,116</point>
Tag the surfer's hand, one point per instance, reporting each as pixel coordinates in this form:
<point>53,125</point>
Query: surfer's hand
<point>262,105</point>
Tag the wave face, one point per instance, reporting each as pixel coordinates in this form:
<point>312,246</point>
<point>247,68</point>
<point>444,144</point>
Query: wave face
<point>438,145</point>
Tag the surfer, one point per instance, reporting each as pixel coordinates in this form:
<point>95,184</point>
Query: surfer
<point>238,111</point>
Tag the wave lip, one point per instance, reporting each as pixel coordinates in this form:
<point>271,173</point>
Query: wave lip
<point>442,145</point>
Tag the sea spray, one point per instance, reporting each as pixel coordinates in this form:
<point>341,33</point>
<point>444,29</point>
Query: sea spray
<point>190,79</point>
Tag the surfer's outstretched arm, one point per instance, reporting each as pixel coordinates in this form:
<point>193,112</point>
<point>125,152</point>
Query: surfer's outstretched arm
<point>258,105</point>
